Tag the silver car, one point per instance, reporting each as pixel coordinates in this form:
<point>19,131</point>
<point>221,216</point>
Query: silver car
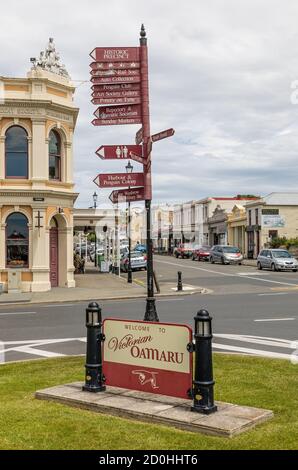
<point>277,259</point>
<point>225,254</point>
<point>138,261</point>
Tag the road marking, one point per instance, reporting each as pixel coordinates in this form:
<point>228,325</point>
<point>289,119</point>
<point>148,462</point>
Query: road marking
<point>255,352</point>
<point>275,319</point>
<point>276,342</point>
<point>250,274</point>
<point>227,274</point>
<point>274,293</point>
<point>169,300</point>
<point>16,313</point>
<point>61,304</point>
<point>38,352</point>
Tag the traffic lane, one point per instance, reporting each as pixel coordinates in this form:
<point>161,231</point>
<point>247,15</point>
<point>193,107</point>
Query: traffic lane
<point>232,314</point>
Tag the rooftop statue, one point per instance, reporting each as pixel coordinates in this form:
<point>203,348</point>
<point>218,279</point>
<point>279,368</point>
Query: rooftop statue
<point>49,60</point>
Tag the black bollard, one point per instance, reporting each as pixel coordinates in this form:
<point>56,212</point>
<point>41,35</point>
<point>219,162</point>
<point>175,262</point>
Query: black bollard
<point>203,383</point>
<point>179,283</point>
<point>94,379</point>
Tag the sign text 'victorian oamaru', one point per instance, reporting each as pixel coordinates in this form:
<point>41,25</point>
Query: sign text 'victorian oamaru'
<point>120,180</point>
<point>127,195</point>
<point>118,152</point>
<point>151,357</point>
<point>115,115</point>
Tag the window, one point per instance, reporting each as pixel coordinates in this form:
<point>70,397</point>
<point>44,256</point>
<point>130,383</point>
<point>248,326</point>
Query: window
<point>16,153</point>
<point>54,156</point>
<point>257,216</point>
<point>17,240</point>
<point>249,217</point>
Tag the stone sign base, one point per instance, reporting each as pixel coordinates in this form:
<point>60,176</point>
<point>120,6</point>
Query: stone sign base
<point>228,421</point>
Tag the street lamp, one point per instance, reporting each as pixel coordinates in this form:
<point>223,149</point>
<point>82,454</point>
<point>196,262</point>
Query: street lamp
<point>95,197</point>
<point>129,169</point>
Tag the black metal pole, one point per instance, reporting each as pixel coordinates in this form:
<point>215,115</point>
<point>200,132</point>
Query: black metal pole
<point>95,253</point>
<point>179,283</point>
<point>129,272</point>
<point>150,313</point>
<point>203,383</point>
<point>94,379</point>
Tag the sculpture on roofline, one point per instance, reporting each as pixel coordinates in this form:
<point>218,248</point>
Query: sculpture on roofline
<point>49,60</point>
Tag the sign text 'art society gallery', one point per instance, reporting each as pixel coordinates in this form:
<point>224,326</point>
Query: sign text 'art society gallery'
<point>146,356</point>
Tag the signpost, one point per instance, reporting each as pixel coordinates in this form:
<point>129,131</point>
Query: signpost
<point>127,195</point>
<point>121,87</point>
<point>114,180</point>
<point>151,357</point>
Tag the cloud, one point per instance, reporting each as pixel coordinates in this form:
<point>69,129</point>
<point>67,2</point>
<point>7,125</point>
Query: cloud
<point>220,74</point>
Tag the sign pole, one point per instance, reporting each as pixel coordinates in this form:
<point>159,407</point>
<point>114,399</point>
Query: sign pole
<point>150,313</point>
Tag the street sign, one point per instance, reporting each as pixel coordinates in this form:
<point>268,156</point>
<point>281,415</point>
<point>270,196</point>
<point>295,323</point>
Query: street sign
<point>114,180</point>
<point>114,65</point>
<point>139,136</point>
<point>121,114</point>
<point>116,87</point>
<point>147,356</point>
<point>114,152</point>
<point>116,54</point>
<point>127,195</point>
<point>124,100</point>
<point>162,135</point>
<point>115,73</point>
<point>115,79</point>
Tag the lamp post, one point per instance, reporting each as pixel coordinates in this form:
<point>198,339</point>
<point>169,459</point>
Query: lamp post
<point>95,198</point>
<point>129,169</point>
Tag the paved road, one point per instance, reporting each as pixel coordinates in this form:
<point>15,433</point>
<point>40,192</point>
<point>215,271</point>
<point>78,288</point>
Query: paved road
<point>253,312</point>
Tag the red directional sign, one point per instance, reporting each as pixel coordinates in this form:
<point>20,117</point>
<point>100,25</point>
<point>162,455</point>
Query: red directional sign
<point>116,54</point>
<point>113,115</point>
<point>114,180</point>
<point>116,100</point>
<point>115,152</point>
<point>116,87</point>
<point>162,135</point>
<point>115,73</point>
<point>114,65</point>
<point>127,195</point>
<point>116,79</point>
<point>139,136</point>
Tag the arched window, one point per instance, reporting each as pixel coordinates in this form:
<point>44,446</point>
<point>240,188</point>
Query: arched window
<point>16,153</point>
<point>54,156</point>
<point>17,240</point>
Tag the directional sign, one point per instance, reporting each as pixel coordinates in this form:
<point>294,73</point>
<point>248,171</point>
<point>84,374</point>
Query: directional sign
<point>123,100</point>
<point>114,180</point>
<point>115,79</point>
<point>113,115</point>
<point>115,152</point>
<point>162,135</point>
<point>116,54</point>
<point>115,73</point>
<point>139,136</point>
<point>116,87</point>
<point>114,65</point>
<point>127,195</point>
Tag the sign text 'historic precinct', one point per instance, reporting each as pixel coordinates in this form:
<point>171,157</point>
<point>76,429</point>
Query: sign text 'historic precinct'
<point>146,356</point>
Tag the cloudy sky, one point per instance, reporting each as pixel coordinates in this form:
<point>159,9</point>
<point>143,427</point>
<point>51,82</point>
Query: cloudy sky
<point>220,75</point>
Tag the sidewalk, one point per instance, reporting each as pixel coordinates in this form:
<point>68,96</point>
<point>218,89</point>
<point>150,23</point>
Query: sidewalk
<point>94,285</point>
<point>250,262</point>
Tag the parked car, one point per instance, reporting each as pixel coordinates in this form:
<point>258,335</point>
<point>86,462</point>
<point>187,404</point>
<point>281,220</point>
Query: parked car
<point>225,254</point>
<point>140,248</point>
<point>201,253</point>
<point>184,250</point>
<point>138,261</point>
<point>277,260</point>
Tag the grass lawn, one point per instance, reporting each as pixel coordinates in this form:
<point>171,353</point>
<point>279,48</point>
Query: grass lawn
<point>27,423</point>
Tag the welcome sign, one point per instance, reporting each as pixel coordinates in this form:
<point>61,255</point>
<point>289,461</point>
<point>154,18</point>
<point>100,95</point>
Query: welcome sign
<point>151,357</point>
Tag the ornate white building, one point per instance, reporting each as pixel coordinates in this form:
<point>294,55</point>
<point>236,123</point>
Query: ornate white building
<point>37,121</point>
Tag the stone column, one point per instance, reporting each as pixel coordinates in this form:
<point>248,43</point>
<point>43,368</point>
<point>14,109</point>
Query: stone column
<point>2,157</point>
<point>40,157</point>
<point>68,162</point>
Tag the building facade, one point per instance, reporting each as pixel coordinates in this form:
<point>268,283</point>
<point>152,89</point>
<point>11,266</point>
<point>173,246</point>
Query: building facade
<point>269,217</point>
<point>37,121</point>
<point>236,226</point>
